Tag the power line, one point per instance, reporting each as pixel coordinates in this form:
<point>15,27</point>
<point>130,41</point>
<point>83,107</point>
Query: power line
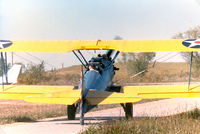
<point>34,56</point>
<point>170,57</point>
<point>40,59</point>
<point>23,58</point>
<point>163,56</point>
<point>153,65</point>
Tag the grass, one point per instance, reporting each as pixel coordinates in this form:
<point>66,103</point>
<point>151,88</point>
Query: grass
<point>184,123</point>
<point>19,111</point>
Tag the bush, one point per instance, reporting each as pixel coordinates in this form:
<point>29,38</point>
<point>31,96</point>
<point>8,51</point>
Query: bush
<point>138,62</point>
<point>33,74</point>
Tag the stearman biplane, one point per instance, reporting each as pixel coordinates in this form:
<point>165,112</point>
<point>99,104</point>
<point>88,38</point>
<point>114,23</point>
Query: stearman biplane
<point>96,86</point>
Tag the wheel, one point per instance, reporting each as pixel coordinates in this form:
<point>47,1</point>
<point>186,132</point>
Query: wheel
<point>82,120</point>
<point>128,109</point>
<point>71,112</point>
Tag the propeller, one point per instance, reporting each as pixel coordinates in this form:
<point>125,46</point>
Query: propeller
<point>109,53</point>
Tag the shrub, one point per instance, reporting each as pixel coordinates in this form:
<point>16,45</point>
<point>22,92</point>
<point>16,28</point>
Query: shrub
<point>33,74</point>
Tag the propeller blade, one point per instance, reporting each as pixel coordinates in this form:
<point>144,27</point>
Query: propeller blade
<point>109,53</point>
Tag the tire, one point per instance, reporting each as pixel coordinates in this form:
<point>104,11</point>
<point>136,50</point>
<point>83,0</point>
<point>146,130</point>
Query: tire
<point>71,112</point>
<point>128,109</point>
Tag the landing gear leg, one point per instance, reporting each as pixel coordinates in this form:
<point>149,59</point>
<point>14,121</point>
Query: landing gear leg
<point>82,114</point>
<point>82,98</point>
<point>128,109</point>
<point>82,119</point>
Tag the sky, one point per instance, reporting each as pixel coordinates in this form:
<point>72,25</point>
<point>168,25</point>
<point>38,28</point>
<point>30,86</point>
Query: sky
<point>93,20</point>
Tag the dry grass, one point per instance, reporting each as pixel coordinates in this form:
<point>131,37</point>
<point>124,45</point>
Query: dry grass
<point>161,72</point>
<point>20,111</point>
<point>185,123</point>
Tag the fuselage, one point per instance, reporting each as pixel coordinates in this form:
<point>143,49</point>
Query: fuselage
<point>99,78</point>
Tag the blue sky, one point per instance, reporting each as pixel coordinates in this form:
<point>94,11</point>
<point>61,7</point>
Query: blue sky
<point>94,19</point>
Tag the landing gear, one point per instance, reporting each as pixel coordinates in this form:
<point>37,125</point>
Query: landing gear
<point>128,109</point>
<point>82,114</point>
<point>71,112</point>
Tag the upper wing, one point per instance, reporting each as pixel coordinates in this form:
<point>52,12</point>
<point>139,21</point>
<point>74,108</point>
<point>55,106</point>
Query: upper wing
<point>120,45</point>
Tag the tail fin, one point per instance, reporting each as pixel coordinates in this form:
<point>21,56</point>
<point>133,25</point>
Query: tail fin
<point>12,74</point>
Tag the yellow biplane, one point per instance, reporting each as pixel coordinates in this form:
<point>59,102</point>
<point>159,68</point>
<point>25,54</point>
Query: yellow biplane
<point>96,86</point>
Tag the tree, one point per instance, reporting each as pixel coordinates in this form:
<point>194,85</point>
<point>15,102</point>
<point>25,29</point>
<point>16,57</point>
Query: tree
<point>138,62</point>
<point>191,33</point>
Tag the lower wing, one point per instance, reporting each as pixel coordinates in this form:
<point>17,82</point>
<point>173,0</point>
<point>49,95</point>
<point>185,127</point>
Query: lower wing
<point>136,93</point>
<point>66,94</point>
<point>52,94</point>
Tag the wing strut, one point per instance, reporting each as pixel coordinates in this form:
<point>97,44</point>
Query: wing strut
<point>83,57</point>
<point>190,70</point>
<point>2,69</point>
<point>79,58</point>
<point>82,98</point>
<point>117,53</point>
<point>6,67</point>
